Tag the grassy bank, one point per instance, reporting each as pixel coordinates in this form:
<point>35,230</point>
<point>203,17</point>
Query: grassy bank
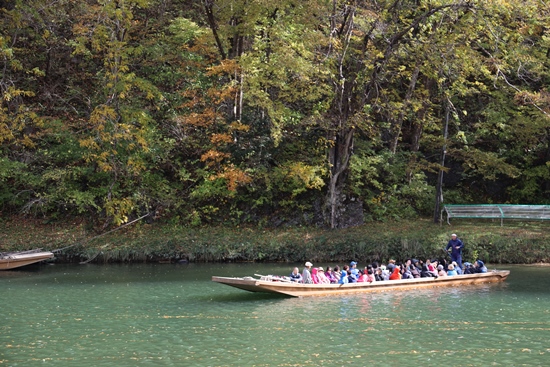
<point>515,242</point>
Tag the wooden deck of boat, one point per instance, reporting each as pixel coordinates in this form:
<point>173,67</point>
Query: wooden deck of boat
<point>302,290</point>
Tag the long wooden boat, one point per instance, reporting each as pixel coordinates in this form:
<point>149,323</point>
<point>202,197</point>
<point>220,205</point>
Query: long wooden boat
<point>12,260</point>
<point>280,285</point>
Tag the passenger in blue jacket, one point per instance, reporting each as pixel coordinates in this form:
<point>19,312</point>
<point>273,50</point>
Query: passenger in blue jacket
<point>344,277</point>
<point>480,267</point>
<point>295,276</point>
<point>456,246</point>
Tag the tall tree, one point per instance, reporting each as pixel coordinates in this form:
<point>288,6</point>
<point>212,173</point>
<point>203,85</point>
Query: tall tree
<point>122,138</point>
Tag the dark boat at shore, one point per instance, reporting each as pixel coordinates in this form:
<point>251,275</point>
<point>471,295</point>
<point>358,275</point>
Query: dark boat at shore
<point>281,285</point>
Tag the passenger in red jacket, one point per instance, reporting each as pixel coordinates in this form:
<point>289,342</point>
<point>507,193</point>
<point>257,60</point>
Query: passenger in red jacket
<point>396,274</point>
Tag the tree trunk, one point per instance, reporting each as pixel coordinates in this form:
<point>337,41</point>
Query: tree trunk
<point>416,133</point>
<point>339,156</point>
<point>213,26</point>
<point>399,123</point>
<point>439,187</point>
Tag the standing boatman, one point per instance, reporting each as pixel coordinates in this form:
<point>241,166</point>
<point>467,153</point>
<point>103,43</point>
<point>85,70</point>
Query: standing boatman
<point>456,246</point>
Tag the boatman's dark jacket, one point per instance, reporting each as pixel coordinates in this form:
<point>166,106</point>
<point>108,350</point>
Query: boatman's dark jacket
<point>455,252</point>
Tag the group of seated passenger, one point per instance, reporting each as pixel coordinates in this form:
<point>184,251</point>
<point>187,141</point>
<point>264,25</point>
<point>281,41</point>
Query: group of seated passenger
<point>410,269</point>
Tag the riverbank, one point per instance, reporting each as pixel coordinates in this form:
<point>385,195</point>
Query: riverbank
<point>513,243</point>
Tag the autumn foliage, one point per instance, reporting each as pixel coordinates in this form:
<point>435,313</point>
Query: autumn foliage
<point>310,112</point>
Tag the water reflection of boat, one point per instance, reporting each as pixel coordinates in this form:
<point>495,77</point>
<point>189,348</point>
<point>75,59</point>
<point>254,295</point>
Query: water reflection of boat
<point>278,285</point>
<point>12,260</point>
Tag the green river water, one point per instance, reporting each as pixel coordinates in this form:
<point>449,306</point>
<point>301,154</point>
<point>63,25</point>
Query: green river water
<point>173,315</point>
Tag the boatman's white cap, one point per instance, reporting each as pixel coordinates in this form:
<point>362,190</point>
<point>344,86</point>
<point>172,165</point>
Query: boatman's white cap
<point>453,235</point>
<point>309,264</point>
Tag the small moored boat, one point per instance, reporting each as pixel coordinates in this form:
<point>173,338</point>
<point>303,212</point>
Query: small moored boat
<point>12,260</point>
<point>280,285</point>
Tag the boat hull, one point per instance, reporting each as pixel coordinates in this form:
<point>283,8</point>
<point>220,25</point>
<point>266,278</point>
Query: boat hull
<point>304,290</point>
<point>17,260</point>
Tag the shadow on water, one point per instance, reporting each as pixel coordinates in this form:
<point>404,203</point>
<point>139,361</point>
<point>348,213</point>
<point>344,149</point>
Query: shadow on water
<point>242,296</point>
<point>13,273</point>
<point>27,269</point>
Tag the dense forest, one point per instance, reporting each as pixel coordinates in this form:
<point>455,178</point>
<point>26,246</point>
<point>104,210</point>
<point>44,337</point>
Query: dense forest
<point>281,112</point>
